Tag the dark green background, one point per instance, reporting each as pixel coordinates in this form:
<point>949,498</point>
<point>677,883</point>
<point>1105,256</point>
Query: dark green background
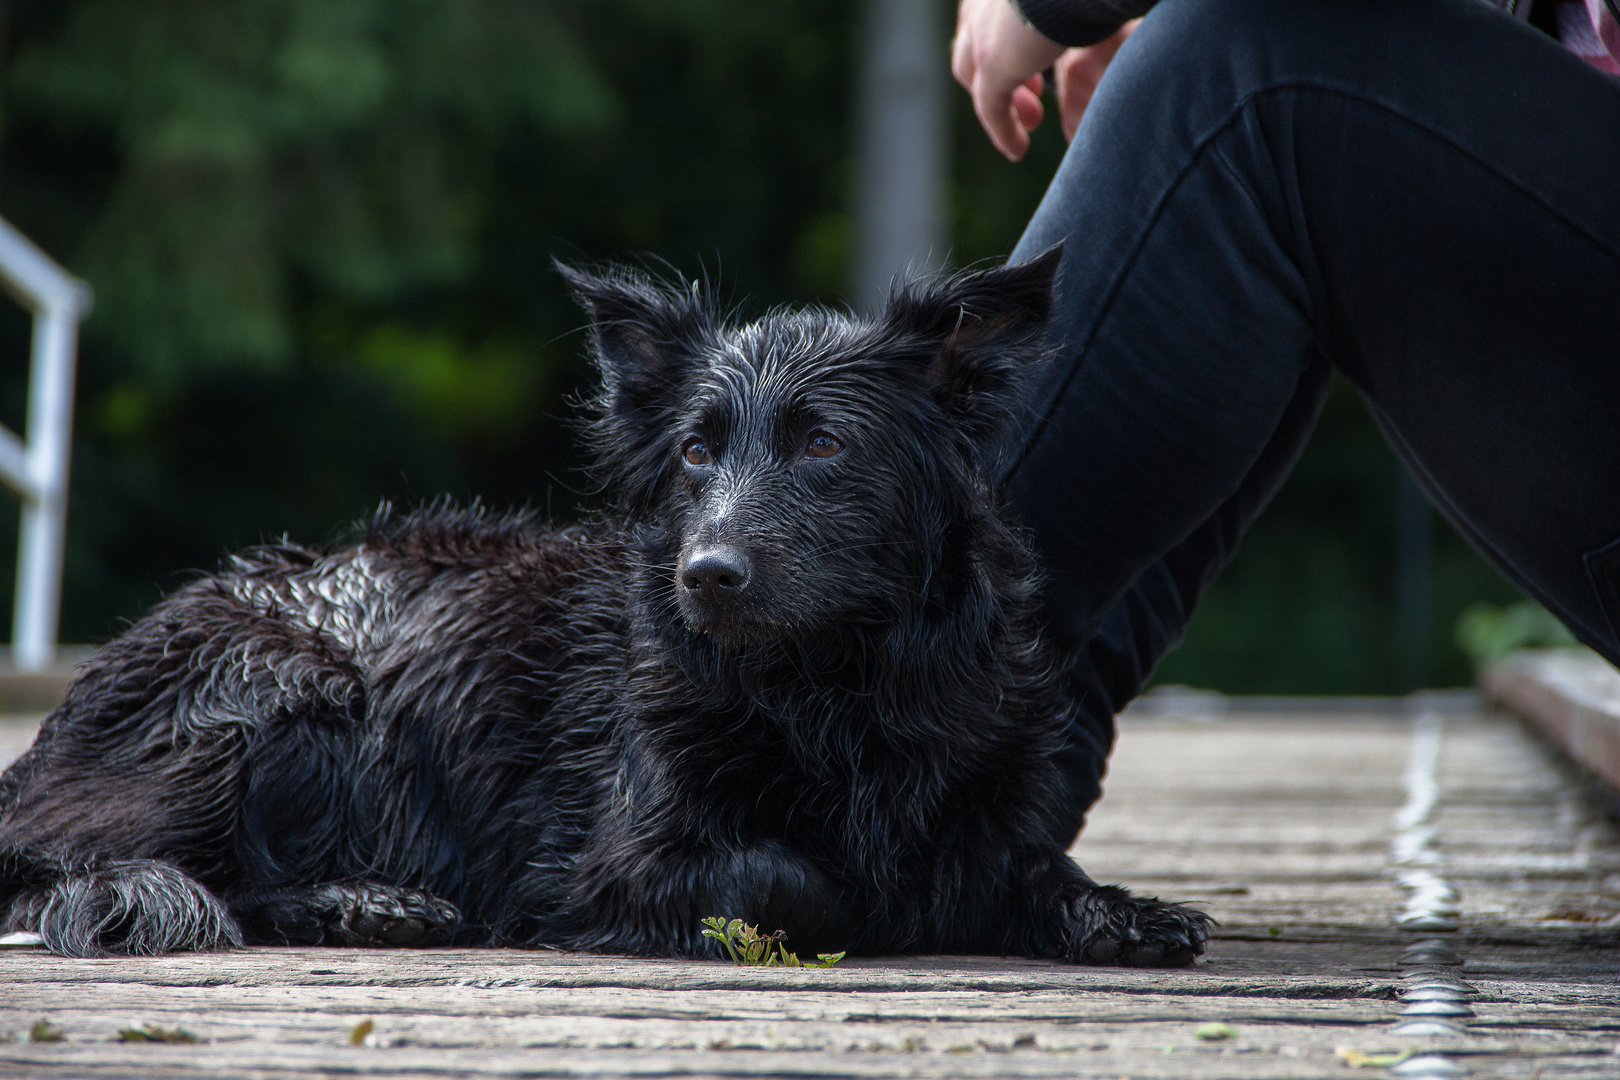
<point>319,232</point>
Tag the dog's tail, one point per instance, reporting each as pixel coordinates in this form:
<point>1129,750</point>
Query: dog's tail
<point>139,907</point>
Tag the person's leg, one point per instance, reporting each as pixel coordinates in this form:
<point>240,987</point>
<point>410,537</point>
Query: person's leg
<point>1150,618</point>
<point>1421,192</point>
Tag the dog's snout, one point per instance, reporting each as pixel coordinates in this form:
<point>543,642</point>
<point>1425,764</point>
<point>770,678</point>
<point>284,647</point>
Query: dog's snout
<point>716,571</point>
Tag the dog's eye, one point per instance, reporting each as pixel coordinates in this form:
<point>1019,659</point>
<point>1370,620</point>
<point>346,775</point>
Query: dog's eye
<point>822,445</point>
<point>696,453</point>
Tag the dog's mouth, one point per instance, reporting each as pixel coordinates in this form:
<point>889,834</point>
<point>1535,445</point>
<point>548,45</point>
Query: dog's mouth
<point>730,627</point>
<point>718,589</point>
<point>732,620</point>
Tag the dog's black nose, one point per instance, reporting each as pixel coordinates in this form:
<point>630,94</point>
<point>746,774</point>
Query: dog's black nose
<point>715,572</point>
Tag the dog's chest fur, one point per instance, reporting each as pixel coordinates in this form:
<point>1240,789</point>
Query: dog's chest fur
<point>526,667</point>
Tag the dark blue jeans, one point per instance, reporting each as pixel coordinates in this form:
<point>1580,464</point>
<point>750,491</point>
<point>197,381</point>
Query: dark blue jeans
<point>1422,194</point>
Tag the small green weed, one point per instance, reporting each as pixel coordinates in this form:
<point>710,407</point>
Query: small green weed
<point>1215,1032</point>
<point>747,947</point>
<point>358,1033</point>
<point>45,1031</point>
<point>153,1033</point>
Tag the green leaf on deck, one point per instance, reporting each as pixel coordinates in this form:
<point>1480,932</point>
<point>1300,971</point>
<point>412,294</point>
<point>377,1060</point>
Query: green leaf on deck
<point>43,1031</point>
<point>1357,1059</point>
<point>153,1033</point>
<point>747,947</point>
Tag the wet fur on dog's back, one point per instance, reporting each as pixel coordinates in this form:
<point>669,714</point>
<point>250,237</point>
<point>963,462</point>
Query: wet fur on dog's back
<point>794,675</point>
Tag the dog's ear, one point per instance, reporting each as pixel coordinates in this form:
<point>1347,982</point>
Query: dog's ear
<point>642,330</point>
<point>645,337</point>
<point>982,331</point>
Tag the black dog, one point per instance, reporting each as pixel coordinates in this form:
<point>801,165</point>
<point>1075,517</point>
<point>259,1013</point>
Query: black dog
<point>793,676</point>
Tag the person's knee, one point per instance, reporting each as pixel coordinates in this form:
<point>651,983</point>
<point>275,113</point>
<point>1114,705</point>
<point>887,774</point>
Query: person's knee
<point>1235,48</point>
<point>1189,60</point>
<point>1212,26</point>
<point>1186,34</point>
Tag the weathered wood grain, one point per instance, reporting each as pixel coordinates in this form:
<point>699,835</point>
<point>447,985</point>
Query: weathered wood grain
<point>1279,825</point>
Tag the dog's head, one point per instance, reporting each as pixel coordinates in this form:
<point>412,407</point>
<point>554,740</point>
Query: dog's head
<point>809,473</point>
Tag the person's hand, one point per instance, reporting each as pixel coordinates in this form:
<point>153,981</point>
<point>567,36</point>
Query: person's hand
<point>999,60</point>
<point>1076,73</point>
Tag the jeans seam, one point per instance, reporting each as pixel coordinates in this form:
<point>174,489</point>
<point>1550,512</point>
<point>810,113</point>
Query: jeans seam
<point>1608,597</point>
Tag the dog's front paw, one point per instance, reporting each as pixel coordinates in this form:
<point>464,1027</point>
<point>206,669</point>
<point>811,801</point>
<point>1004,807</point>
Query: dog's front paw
<point>369,913</point>
<point>1110,926</point>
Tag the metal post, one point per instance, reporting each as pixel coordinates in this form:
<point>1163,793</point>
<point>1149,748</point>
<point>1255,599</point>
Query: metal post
<point>900,196</point>
<point>44,520</point>
<point>38,470</point>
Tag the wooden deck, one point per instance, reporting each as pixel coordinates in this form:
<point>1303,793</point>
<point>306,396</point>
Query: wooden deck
<point>1308,833</point>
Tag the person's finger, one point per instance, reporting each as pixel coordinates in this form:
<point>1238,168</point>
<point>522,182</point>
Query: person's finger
<point>1074,79</point>
<point>1027,107</point>
<point>1077,73</point>
<point>999,119</point>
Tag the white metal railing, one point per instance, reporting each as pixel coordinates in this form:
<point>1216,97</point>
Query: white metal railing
<point>37,469</point>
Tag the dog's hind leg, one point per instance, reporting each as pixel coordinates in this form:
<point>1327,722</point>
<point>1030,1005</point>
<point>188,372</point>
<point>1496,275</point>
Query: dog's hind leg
<point>139,907</point>
<point>123,824</point>
<point>344,913</point>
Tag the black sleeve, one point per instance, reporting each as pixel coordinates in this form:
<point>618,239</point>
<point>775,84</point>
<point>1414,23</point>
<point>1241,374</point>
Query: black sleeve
<point>1080,22</point>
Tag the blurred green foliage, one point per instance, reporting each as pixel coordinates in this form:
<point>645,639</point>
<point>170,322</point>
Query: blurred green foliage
<point>1487,632</point>
<point>257,149</point>
<point>320,235</point>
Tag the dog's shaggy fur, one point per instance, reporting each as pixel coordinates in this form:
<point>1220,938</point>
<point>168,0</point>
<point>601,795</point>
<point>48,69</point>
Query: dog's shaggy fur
<point>794,675</point>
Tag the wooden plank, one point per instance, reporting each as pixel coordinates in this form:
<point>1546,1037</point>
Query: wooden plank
<point>1572,695</point>
<point>1278,824</point>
